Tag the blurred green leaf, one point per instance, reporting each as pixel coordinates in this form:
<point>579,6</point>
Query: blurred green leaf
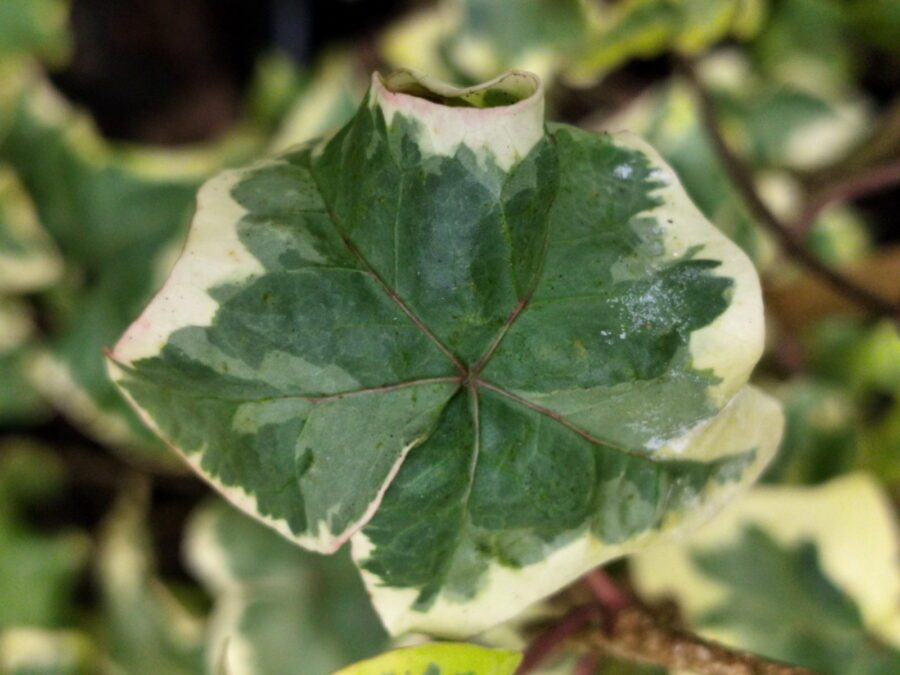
<point>474,40</point>
<point>839,237</point>
<point>28,258</point>
<point>145,629</point>
<point>278,609</point>
<point>776,127</point>
<point>19,402</point>
<point>276,82</point>
<point>805,575</point>
<point>863,362</point>
<point>329,98</point>
<point>34,651</point>
<point>117,213</point>
<point>439,658</point>
<point>34,27</point>
<point>783,605</point>
<point>470,41</point>
<point>820,440</point>
<point>805,41</point>
<point>649,28</point>
<point>876,22</point>
<point>37,571</point>
<point>513,35</point>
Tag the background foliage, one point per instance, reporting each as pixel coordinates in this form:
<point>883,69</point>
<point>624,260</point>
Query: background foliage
<point>114,559</point>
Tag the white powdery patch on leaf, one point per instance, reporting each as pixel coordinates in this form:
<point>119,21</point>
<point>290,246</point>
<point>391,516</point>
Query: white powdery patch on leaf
<point>733,343</point>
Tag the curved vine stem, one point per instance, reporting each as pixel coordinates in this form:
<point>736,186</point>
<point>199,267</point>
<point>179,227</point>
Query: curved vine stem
<point>866,182</point>
<point>743,181</point>
<point>618,625</point>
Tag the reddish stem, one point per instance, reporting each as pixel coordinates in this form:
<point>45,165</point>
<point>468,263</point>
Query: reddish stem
<point>549,641</point>
<point>587,665</point>
<point>743,181</point>
<point>611,597</point>
<point>868,181</point>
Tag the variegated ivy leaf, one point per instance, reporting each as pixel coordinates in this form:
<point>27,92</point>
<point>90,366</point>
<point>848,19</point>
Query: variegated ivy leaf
<point>116,213</point>
<point>495,353</point>
<point>776,126</point>
<point>274,84</point>
<point>440,658</point>
<point>28,259</point>
<point>582,40</point>
<point>29,262</point>
<point>474,40</point>
<point>146,629</point>
<point>805,575</point>
<point>278,609</point>
<point>648,28</point>
<point>780,124</point>
<point>35,651</point>
<point>328,100</point>
<point>19,402</point>
<point>809,41</point>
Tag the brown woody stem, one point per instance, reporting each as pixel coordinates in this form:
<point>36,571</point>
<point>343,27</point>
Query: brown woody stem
<point>636,635</point>
<point>620,626</point>
<point>743,182</point>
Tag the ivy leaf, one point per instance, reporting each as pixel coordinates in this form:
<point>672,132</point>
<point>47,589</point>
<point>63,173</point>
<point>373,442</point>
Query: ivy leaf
<point>507,351</point>
<point>440,658</point>
<point>28,259</point>
<point>777,126</point>
<point>29,262</point>
<point>812,622</point>
<point>19,402</point>
<point>278,609</point>
<point>475,40</point>
<point>805,575</point>
<point>328,100</point>
<point>38,572</point>
<point>863,361</point>
<point>808,41</point>
<point>146,629</point>
<point>83,186</point>
<point>821,438</point>
<point>35,651</point>
<point>648,28</point>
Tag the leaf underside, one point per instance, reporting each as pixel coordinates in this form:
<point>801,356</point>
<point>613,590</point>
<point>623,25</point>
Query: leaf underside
<point>485,360</point>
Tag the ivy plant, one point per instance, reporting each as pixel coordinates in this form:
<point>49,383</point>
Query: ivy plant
<point>278,609</point>
<point>581,41</point>
<point>46,565</point>
<point>491,353</point>
<point>803,574</point>
<point>82,184</point>
<point>147,628</point>
<point>780,128</point>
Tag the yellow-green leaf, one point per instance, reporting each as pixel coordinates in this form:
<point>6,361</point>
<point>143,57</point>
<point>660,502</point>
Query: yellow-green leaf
<point>440,658</point>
